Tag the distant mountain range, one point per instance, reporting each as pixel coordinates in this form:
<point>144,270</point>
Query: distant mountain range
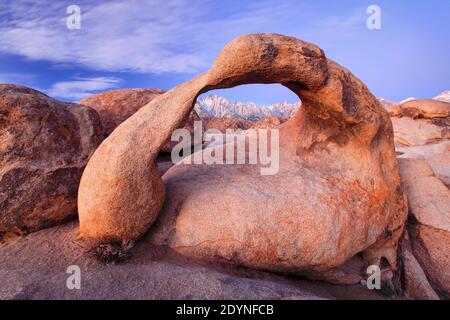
<point>216,106</point>
<point>219,107</point>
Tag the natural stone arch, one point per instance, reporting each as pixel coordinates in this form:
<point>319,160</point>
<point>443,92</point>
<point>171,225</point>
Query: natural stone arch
<point>341,134</point>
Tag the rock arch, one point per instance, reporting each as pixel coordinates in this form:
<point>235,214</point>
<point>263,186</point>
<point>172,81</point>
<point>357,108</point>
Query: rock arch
<point>338,147</point>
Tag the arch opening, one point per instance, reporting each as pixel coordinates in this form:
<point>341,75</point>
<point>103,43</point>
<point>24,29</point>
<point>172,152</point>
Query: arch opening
<point>243,107</point>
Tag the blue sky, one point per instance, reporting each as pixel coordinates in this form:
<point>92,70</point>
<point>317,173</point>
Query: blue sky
<point>156,43</point>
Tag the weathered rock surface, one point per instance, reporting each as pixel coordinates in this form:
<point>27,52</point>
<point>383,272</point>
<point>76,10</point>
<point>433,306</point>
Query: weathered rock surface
<point>429,230</point>
<point>44,147</point>
<point>337,192</point>
<point>422,131</point>
<point>189,125</point>
<point>428,197</point>
<point>34,267</point>
<point>437,155</point>
<point>163,166</point>
<point>394,110</point>
<point>116,106</point>
<point>416,284</point>
<point>431,247</point>
<point>423,108</point>
<point>410,132</point>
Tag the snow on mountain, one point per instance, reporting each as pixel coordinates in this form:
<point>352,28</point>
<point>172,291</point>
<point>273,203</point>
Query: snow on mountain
<point>386,103</point>
<point>408,99</point>
<point>218,106</point>
<point>444,96</point>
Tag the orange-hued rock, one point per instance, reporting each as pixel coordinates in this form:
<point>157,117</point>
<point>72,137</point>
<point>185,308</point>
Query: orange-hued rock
<point>268,122</point>
<point>431,247</point>
<point>437,155</point>
<point>420,122</point>
<point>44,147</point>
<point>116,106</point>
<point>410,132</point>
<point>416,284</point>
<point>429,205</point>
<point>394,110</point>
<point>428,197</point>
<point>337,192</point>
<point>189,125</point>
<point>422,108</point>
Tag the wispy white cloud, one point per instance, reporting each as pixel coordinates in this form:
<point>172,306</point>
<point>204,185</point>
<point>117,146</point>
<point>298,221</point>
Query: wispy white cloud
<point>144,36</point>
<point>135,35</point>
<point>17,78</point>
<point>80,88</point>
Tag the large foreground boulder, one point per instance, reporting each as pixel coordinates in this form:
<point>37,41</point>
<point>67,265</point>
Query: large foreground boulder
<point>35,267</point>
<point>337,192</point>
<point>44,147</point>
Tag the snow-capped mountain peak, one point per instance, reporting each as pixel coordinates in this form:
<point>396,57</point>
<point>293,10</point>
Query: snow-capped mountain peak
<point>217,106</point>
